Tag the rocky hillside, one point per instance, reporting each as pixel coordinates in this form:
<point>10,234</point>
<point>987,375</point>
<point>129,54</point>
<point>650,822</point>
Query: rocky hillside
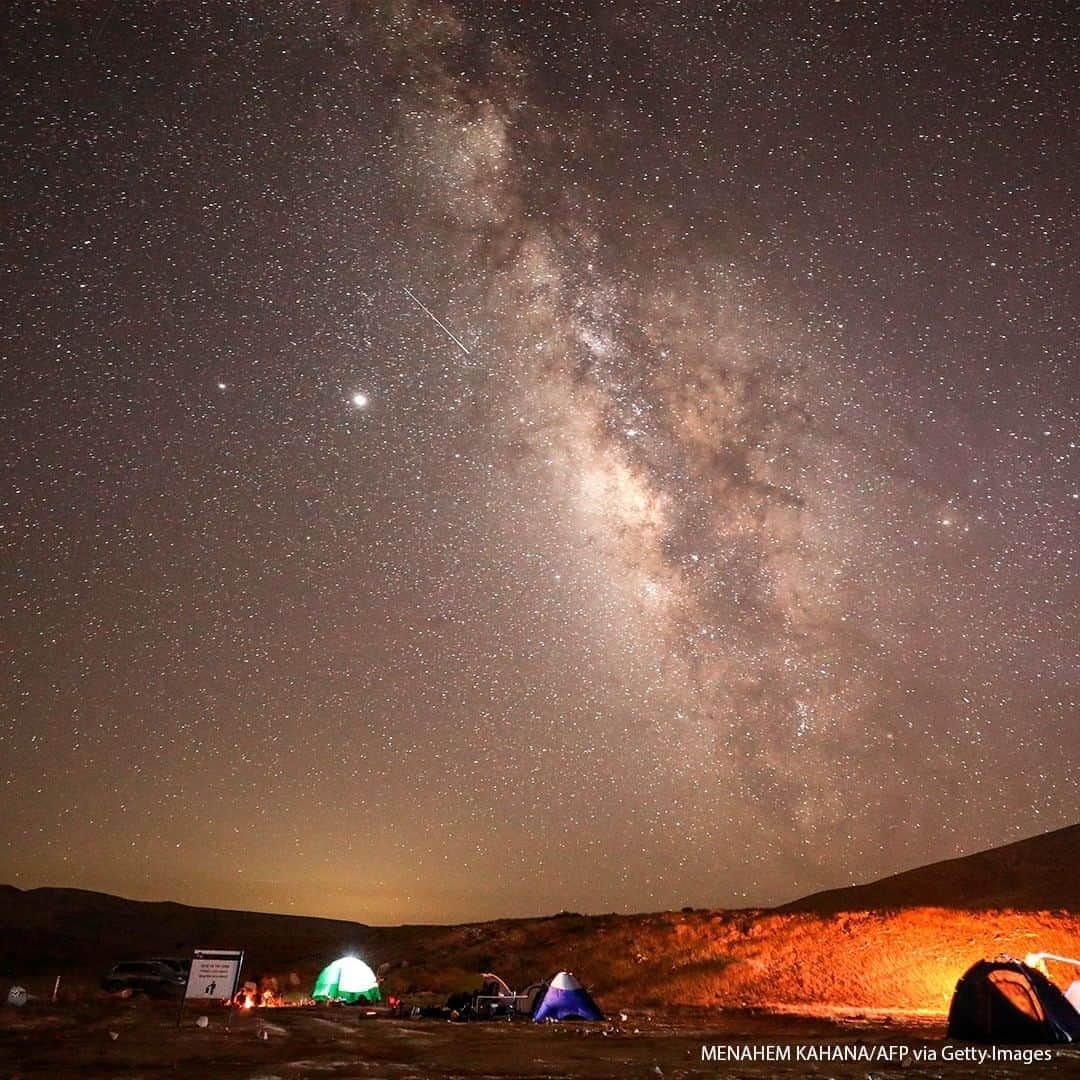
<point>898,944</point>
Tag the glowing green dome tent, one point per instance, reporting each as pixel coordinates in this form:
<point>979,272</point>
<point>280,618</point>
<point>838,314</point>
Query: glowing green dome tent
<point>348,979</point>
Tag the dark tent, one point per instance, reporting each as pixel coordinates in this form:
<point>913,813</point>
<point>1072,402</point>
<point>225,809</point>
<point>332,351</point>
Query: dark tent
<point>1005,1001</point>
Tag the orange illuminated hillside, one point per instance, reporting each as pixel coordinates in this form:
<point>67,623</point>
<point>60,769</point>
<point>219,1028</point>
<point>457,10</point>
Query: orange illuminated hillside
<point>892,958</point>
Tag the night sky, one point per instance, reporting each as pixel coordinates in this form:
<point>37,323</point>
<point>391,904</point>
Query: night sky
<point>728,553</point>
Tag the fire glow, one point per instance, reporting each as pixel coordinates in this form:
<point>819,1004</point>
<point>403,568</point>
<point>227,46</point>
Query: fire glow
<point>251,996</point>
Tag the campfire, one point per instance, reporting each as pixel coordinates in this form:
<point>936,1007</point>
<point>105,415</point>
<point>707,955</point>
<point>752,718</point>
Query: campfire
<point>262,995</point>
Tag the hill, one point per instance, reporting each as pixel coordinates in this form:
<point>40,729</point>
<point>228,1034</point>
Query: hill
<point>1036,874</point>
<point>842,950</point>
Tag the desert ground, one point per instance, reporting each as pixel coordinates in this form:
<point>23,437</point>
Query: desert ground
<point>103,1037</point>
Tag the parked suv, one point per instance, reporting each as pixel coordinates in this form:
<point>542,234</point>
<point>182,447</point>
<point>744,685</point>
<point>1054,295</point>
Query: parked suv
<point>175,963</point>
<point>144,976</point>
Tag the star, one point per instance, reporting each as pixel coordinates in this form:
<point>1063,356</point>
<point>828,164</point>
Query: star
<point>682,549</point>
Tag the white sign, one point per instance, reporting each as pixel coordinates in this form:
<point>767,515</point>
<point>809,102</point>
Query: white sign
<point>214,973</point>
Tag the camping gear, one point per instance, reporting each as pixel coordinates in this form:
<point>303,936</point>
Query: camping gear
<point>493,999</point>
<point>348,979</point>
<point>1006,1001</point>
<point>525,1003</point>
<point>566,999</point>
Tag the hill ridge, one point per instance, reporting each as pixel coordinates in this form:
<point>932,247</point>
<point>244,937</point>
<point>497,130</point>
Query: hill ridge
<point>805,955</point>
<point>1026,875</point>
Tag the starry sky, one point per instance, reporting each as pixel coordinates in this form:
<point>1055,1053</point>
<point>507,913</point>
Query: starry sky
<point>717,547</point>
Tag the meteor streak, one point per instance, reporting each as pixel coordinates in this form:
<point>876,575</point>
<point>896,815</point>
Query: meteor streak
<point>438,322</point>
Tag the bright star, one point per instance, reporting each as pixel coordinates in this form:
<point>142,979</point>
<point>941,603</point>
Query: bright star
<point>360,400</point>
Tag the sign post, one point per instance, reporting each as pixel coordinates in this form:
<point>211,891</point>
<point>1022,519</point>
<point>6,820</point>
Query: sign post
<point>214,974</point>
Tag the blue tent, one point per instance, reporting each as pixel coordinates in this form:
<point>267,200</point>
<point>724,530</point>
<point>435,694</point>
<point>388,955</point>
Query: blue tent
<point>566,999</point>
<point>1005,1001</point>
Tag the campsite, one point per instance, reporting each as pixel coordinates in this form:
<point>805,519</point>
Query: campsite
<point>89,1034</point>
<point>325,997</point>
<point>338,1043</point>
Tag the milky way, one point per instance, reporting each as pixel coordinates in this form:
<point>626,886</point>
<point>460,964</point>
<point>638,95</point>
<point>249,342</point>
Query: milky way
<point>477,460</point>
